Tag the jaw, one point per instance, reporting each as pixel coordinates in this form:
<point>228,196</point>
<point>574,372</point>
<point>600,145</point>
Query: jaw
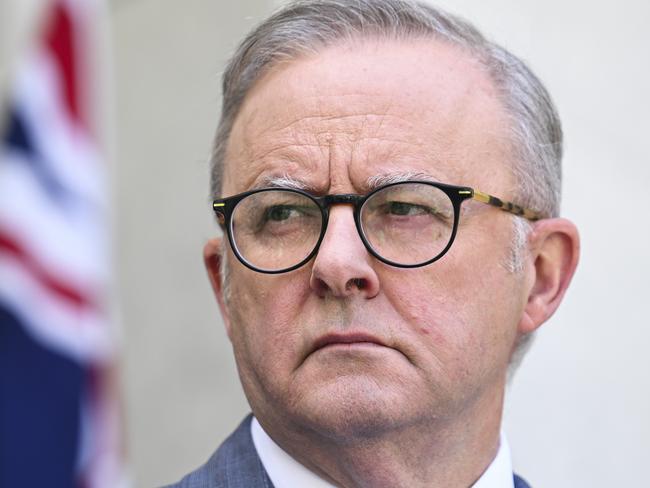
<point>369,448</point>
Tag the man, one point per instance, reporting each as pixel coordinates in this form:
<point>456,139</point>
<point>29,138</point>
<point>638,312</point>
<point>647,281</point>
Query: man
<point>374,290</point>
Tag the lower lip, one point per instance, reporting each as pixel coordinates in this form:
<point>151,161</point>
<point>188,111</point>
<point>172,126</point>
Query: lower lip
<point>351,345</point>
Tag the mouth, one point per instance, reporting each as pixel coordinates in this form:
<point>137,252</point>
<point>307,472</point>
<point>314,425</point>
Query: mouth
<point>348,340</point>
<point>353,344</point>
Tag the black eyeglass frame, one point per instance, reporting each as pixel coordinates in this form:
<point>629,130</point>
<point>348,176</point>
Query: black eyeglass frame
<point>224,208</point>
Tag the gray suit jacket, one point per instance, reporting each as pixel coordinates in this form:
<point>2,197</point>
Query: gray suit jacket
<point>237,465</point>
<point>234,465</point>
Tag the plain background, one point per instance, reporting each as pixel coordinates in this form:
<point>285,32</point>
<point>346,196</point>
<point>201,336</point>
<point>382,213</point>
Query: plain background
<point>578,412</point>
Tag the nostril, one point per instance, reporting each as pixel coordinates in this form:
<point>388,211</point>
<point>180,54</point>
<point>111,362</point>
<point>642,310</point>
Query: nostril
<point>320,286</point>
<point>359,283</point>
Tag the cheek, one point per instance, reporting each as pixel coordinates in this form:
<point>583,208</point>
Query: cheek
<point>265,326</point>
<point>433,304</point>
<point>456,317</point>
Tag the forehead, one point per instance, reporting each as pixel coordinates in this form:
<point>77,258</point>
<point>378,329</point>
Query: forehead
<point>366,108</point>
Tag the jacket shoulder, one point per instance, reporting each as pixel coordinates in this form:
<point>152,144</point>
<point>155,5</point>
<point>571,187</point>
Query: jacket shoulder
<point>235,464</point>
<point>520,482</point>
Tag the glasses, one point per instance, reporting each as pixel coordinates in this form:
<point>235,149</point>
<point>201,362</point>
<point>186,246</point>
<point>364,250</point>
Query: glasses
<point>407,224</point>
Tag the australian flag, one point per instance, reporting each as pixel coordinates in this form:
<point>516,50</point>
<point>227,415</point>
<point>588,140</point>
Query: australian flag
<point>58,408</point>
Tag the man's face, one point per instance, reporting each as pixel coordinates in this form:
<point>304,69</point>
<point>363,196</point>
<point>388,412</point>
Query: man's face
<point>347,345</point>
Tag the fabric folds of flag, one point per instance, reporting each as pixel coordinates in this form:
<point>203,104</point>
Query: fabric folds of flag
<point>58,415</point>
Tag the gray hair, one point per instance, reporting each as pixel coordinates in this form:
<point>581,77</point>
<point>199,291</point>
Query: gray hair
<point>306,26</point>
<point>515,264</point>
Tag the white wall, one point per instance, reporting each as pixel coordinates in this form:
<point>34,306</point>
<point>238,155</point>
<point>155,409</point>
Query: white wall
<point>181,391</point>
<point>577,414</point>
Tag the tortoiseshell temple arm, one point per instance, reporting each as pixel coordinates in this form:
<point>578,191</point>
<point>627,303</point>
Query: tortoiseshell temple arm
<point>506,206</point>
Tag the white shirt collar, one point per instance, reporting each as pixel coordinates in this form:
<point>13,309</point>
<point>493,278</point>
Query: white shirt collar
<point>499,473</point>
<point>286,472</point>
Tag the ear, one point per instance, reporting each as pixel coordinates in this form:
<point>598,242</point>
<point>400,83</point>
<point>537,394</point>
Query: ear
<point>554,247</point>
<point>213,260</point>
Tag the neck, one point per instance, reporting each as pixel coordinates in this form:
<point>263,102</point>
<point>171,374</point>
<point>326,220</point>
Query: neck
<point>435,452</point>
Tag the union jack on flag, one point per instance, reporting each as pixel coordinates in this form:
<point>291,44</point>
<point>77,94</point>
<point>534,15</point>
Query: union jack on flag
<point>58,415</point>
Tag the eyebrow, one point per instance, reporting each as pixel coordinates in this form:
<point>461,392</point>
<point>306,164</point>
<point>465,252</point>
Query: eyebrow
<point>283,181</point>
<point>376,181</point>
<point>373,182</point>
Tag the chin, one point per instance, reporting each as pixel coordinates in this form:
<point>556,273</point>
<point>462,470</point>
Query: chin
<point>350,409</point>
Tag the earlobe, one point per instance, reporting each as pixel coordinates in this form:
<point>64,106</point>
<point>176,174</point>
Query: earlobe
<point>213,260</point>
<point>554,251</point>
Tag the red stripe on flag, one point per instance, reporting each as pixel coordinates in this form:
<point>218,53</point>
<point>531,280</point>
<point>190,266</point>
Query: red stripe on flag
<point>60,39</point>
<point>57,287</point>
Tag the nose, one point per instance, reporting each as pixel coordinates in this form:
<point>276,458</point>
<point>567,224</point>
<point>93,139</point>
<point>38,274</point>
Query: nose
<point>343,266</point>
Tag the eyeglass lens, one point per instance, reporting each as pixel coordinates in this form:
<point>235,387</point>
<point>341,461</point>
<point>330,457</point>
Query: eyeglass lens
<point>277,229</point>
<point>406,224</point>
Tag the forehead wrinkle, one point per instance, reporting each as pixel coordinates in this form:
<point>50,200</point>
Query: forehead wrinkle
<point>314,107</point>
<point>394,156</point>
<point>321,130</point>
<point>329,107</point>
<point>288,151</point>
<point>365,116</point>
<point>281,159</point>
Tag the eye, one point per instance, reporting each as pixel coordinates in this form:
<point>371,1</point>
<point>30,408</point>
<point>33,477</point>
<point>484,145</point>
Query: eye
<point>287,217</point>
<point>279,213</point>
<point>407,209</point>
